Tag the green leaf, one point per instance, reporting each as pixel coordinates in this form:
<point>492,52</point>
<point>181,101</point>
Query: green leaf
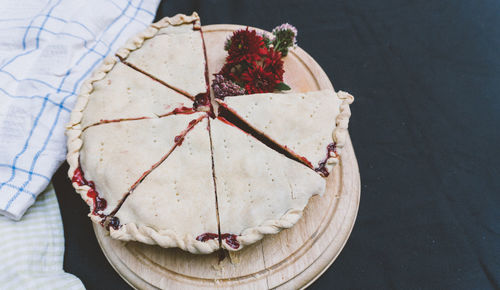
<point>283,87</point>
<point>267,42</point>
<point>227,44</point>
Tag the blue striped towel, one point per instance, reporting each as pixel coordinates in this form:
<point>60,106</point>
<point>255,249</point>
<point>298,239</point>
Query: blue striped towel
<point>47,49</point>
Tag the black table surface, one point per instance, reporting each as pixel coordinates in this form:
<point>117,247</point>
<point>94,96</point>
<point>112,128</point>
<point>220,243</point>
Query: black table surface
<point>426,78</point>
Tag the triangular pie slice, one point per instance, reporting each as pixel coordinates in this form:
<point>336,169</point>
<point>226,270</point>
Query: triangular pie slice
<point>180,63</point>
<point>125,93</point>
<point>259,191</point>
<point>312,126</point>
<point>108,158</point>
<point>176,202</point>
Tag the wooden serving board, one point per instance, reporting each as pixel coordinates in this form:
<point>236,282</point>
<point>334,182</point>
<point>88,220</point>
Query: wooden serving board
<point>294,258</point>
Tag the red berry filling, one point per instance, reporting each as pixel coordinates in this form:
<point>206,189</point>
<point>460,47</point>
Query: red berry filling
<point>231,240</point>
<point>321,169</point>
<point>98,202</point>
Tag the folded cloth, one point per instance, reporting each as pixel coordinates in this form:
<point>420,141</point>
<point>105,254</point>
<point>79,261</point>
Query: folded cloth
<point>32,250</point>
<point>47,49</point>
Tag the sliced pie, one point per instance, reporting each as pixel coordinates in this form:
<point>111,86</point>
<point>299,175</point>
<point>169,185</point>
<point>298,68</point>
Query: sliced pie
<point>108,158</point>
<point>158,165</point>
<point>304,124</point>
<point>176,202</point>
<point>125,94</point>
<point>172,52</point>
<point>259,191</point>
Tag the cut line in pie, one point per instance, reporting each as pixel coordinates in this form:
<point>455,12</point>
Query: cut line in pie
<point>125,94</point>
<point>157,164</point>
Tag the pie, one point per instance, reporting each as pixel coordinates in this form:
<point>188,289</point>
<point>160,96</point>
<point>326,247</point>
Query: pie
<point>160,161</point>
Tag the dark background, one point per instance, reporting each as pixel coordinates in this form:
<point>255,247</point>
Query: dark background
<point>426,78</point>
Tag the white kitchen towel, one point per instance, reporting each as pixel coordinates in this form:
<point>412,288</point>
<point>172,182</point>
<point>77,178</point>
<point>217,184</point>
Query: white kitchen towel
<point>47,49</point>
<point>32,250</point>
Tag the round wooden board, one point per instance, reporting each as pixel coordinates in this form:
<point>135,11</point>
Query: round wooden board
<point>292,259</point>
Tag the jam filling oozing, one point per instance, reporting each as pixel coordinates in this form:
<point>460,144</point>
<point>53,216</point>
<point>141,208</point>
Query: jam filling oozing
<point>114,222</point>
<point>179,111</point>
<point>302,159</point>
<point>202,104</point>
<point>99,202</point>
<point>331,151</point>
<point>207,236</point>
<point>231,240</point>
<point>183,111</point>
<point>227,116</point>
<point>180,138</point>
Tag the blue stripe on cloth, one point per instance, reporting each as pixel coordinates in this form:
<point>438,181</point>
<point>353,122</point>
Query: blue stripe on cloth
<point>138,8</point>
<point>15,57</point>
<point>32,80</point>
<point>25,171</point>
<point>51,17</point>
<point>66,34</point>
<point>108,50</point>
<point>44,22</point>
<point>84,27</point>
<point>89,51</point>
<point>29,25</point>
<point>25,147</point>
<point>33,97</point>
<point>70,21</point>
<point>37,155</point>
<point>18,188</point>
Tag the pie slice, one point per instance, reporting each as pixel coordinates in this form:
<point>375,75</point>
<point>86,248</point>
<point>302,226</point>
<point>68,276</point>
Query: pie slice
<point>311,126</point>
<point>175,203</point>
<point>109,164</point>
<point>259,191</point>
<point>126,94</point>
<point>172,52</point>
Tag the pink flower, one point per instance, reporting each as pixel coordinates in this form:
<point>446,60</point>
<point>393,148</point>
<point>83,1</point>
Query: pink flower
<point>223,87</point>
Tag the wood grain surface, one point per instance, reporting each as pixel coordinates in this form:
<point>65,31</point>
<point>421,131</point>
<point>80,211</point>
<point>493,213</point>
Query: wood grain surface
<point>292,259</point>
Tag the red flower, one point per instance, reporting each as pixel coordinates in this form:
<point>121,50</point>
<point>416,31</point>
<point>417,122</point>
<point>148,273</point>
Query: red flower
<point>274,63</point>
<point>231,72</point>
<point>245,45</point>
<point>226,70</point>
<point>259,80</point>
